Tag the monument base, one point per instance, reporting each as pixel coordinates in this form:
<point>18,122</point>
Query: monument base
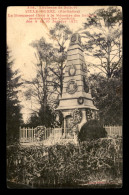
<point>75,118</point>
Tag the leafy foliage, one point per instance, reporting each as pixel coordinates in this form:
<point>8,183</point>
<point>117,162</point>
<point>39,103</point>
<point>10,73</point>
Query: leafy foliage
<point>45,89</point>
<point>47,118</point>
<point>102,34</point>
<point>13,114</point>
<point>107,94</point>
<point>65,165</point>
<point>60,33</point>
<point>92,130</point>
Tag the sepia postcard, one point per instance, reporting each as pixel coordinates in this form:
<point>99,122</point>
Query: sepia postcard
<point>64,97</point>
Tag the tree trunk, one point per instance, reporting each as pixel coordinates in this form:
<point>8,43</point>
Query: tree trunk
<point>108,61</point>
<point>61,79</point>
<point>44,80</point>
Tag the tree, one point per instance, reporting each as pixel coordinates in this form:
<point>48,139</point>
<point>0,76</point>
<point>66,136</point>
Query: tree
<point>44,53</point>
<point>102,34</point>
<point>48,84</point>
<point>60,33</point>
<point>107,94</point>
<point>14,117</point>
<point>38,88</point>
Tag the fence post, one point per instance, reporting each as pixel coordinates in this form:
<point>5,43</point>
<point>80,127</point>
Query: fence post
<point>26,134</point>
<point>32,135</point>
<point>65,128</point>
<point>48,132</point>
<point>45,133</point>
<point>20,133</point>
<point>110,130</point>
<point>54,133</point>
<point>119,131</point>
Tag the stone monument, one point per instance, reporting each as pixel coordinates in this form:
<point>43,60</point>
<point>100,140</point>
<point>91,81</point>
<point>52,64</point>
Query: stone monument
<point>76,103</point>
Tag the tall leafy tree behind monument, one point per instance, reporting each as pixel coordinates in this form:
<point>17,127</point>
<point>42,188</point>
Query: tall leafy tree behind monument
<point>38,87</point>
<point>107,94</point>
<point>14,117</point>
<point>46,87</point>
<point>60,33</point>
<point>103,41</point>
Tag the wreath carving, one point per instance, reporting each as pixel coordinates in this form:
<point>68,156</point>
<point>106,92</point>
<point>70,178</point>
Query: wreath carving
<point>77,116</point>
<point>72,70</point>
<point>80,100</point>
<point>71,87</point>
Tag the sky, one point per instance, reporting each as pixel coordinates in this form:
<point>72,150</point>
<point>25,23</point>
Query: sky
<point>20,33</point>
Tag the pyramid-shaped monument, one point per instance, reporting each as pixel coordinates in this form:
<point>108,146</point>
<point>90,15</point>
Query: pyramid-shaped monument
<point>76,103</point>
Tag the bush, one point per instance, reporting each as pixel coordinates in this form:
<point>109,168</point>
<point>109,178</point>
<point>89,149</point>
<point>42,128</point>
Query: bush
<point>65,165</point>
<point>92,130</point>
